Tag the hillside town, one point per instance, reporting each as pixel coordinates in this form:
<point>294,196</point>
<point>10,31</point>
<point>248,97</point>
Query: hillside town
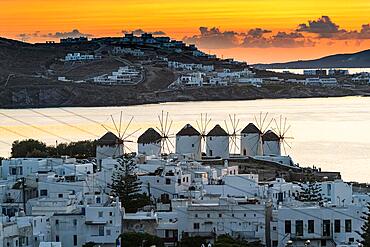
<point>195,69</point>
<point>203,188</point>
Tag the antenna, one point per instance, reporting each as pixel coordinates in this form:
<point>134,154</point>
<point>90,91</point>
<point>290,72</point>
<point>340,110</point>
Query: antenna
<point>164,129</point>
<point>281,129</point>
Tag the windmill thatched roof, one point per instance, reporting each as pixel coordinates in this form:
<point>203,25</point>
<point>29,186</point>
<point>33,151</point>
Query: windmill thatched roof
<point>109,139</point>
<point>217,131</point>
<point>270,136</point>
<point>188,130</point>
<point>149,136</point>
<point>251,129</point>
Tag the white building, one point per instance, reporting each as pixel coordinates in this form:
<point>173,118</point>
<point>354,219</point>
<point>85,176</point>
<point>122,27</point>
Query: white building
<point>191,80</point>
<point>128,51</point>
<point>188,142</point>
<point>108,146</point>
<point>166,183</point>
<point>329,81</point>
<point>321,81</point>
<point>271,144</point>
<point>99,224</point>
<point>323,226</point>
<point>217,143</point>
<point>124,75</point>
<point>78,57</point>
<point>251,141</point>
<point>149,143</point>
<point>238,217</point>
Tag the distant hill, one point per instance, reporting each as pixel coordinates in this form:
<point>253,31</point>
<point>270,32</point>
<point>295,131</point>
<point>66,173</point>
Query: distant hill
<point>354,60</point>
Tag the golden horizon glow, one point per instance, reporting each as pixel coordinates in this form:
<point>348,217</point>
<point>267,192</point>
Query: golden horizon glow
<point>183,18</point>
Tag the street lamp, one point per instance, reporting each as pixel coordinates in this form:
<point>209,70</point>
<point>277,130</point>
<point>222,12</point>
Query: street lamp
<point>289,243</point>
<point>307,243</point>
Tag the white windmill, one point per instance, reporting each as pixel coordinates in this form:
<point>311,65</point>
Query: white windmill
<point>251,136</point>
<point>114,142</point>
<point>149,143</point>
<point>188,142</point>
<point>217,143</point>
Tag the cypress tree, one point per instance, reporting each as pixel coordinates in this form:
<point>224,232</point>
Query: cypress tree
<point>126,185</point>
<point>365,234</point>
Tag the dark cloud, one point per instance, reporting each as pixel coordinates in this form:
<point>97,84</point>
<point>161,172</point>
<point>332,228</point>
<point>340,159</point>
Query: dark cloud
<point>326,28</point>
<point>255,39</point>
<point>75,33</point>
<point>141,31</point>
<point>323,26</point>
<point>257,32</point>
<point>213,38</point>
<point>27,36</point>
<point>57,35</point>
<point>364,33</point>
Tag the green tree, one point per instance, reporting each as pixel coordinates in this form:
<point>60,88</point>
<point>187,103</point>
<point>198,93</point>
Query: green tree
<point>228,241</point>
<point>89,244</point>
<point>126,185</point>
<point>365,234</point>
<point>133,239</point>
<point>195,241</point>
<point>29,148</point>
<point>36,149</point>
<point>311,192</point>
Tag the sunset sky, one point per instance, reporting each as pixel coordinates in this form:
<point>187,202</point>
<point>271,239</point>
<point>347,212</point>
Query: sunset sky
<point>250,30</point>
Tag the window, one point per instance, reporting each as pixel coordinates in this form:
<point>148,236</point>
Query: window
<point>56,238</point>
<point>288,226</point>
<point>60,195</point>
<point>192,145</point>
<point>299,227</point>
<point>311,226</point>
<point>75,240</point>
<point>110,213</point>
<point>336,226</point>
<point>98,200</point>
<point>326,228</point>
<point>168,181</point>
<point>196,215</point>
<point>100,214</point>
<point>43,192</point>
<point>208,215</point>
<point>348,225</point>
<point>108,232</point>
<point>196,226</point>
<point>74,222</point>
<point>13,171</point>
<point>275,243</point>
<point>351,240</point>
<point>220,215</point>
<point>56,222</point>
<point>323,242</point>
<point>101,230</point>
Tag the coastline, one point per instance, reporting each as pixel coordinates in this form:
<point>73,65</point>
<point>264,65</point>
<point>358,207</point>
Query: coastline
<point>112,97</point>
